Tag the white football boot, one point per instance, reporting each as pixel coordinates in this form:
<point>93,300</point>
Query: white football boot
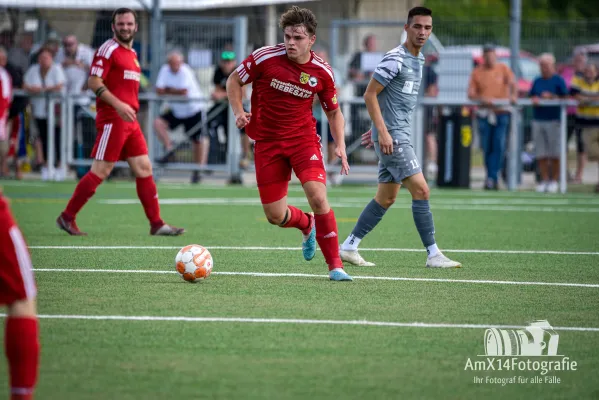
<point>353,257</point>
<point>440,261</point>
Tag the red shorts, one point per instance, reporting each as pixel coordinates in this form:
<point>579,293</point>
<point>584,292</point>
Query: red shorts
<point>118,140</point>
<point>275,159</point>
<point>16,274</point>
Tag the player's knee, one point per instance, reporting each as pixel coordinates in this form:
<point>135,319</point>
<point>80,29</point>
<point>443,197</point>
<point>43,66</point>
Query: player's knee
<point>318,202</point>
<point>143,170</point>
<point>22,308</point>
<point>275,218</point>
<point>102,169</point>
<point>386,201</point>
<point>421,193</point>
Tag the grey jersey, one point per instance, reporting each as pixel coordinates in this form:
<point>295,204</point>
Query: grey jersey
<point>400,73</point>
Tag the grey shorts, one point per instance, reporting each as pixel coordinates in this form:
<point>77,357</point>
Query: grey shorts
<point>545,136</point>
<point>397,166</point>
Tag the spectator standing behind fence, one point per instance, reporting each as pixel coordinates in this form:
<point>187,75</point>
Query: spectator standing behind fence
<point>19,55</point>
<point>16,118</point>
<point>5,101</point>
<point>223,69</point>
<point>363,64</point>
<point>489,82</point>
<point>546,123</point>
<point>75,59</point>
<point>586,90</point>
<point>334,177</point>
<point>43,79</point>
<point>176,78</point>
<point>361,68</point>
<point>569,73</point>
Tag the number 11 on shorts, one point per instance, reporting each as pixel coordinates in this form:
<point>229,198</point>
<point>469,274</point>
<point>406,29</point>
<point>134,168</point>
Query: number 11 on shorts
<point>414,163</point>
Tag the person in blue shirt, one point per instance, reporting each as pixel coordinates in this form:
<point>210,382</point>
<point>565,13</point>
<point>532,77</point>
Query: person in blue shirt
<point>546,123</point>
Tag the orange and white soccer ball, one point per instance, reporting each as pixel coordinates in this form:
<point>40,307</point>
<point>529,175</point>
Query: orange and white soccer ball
<point>194,263</point>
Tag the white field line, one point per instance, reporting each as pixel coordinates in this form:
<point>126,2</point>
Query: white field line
<point>302,322</point>
<point>265,248</point>
<point>350,203</point>
<point>365,200</point>
<point>370,190</point>
<point>299,275</point>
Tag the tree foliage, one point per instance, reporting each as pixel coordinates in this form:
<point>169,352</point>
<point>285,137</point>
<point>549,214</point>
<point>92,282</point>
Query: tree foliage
<point>547,25</point>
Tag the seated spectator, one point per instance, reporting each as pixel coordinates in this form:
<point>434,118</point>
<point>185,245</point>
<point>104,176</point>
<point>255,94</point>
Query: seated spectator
<point>586,91</point>
<point>177,78</point>
<point>546,123</point>
<point>45,77</point>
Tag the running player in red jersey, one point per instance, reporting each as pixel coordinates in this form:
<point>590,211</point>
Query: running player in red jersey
<point>114,77</point>
<point>18,292</point>
<point>285,80</point>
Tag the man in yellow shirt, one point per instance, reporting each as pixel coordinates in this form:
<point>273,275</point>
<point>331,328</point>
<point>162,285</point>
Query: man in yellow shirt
<point>586,90</point>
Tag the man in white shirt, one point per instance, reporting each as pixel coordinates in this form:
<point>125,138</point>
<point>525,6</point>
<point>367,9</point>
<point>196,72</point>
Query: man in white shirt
<point>177,78</point>
<point>75,59</point>
<point>44,77</point>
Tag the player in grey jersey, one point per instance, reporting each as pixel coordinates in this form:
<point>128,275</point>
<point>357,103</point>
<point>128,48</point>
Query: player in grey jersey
<point>391,97</point>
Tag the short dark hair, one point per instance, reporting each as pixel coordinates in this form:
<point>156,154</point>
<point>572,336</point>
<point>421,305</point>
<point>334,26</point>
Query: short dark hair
<point>299,16</point>
<point>427,12</point>
<point>45,49</point>
<point>121,11</point>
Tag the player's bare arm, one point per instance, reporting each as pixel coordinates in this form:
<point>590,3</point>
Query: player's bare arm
<point>374,110</point>
<point>125,111</point>
<point>337,124</point>
<point>235,94</point>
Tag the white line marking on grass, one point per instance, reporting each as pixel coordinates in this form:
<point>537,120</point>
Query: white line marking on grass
<point>302,322</point>
<point>263,248</point>
<point>23,184</point>
<point>300,275</point>
<point>352,203</point>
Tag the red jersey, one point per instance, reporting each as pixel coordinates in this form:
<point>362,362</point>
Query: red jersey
<point>5,101</point>
<point>283,92</point>
<point>119,69</point>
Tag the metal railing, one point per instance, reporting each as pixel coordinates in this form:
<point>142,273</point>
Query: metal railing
<point>231,164</point>
<point>514,136</point>
<point>68,104</point>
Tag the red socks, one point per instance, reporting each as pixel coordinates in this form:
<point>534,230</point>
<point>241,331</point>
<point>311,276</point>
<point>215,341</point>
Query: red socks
<point>327,238</point>
<point>22,348</point>
<point>298,219</point>
<point>83,192</point>
<point>148,195</point>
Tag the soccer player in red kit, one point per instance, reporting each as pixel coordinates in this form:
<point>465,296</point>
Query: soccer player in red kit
<point>114,77</point>
<point>18,292</point>
<point>285,78</point>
